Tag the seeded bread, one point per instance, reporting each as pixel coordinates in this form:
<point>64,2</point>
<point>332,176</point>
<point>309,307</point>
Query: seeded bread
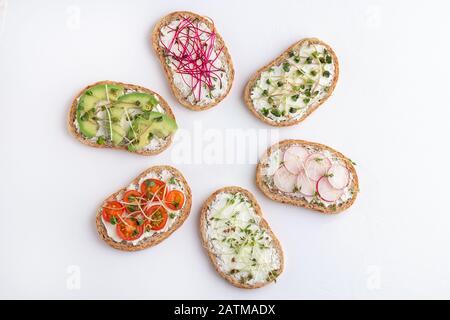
<point>74,132</point>
<point>157,237</point>
<point>263,224</point>
<point>289,199</point>
<point>252,82</point>
<point>169,73</point>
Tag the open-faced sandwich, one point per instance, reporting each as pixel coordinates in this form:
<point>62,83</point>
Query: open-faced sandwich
<point>116,115</point>
<point>239,242</point>
<point>145,212</point>
<point>291,87</point>
<point>309,175</point>
<point>195,59</point>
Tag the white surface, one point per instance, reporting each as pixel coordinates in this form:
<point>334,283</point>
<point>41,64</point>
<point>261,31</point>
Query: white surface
<point>389,113</point>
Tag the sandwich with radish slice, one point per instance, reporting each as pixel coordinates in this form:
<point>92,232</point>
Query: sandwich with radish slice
<point>309,175</point>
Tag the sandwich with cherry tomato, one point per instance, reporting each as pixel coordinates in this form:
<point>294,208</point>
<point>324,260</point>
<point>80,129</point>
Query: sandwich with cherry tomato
<point>147,211</point>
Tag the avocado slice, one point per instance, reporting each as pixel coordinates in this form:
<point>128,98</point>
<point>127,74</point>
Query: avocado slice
<point>144,101</point>
<point>88,128</point>
<point>141,101</point>
<point>147,125</point>
<point>87,106</point>
<point>93,95</point>
<point>163,126</point>
<point>118,132</point>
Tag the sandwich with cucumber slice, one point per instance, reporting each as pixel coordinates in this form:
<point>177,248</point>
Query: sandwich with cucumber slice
<point>295,84</point>
<point>117,115</point>
<point>239,241</point>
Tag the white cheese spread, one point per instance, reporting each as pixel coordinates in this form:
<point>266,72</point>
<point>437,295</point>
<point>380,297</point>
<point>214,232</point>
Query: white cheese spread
<point>288,90</point>
<point>244,249</point>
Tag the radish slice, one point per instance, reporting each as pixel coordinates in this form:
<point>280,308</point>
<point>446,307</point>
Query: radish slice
<point>294,158</point>
<point>305,185</point>
<point>327,192</point>
<point>316,166</point>
<point>338,176</point>
<point>284,180</point>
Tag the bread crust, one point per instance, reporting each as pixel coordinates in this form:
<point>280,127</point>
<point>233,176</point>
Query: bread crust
<point>160,53</point>
<point>251,83</point>
<point>157,237</point>
<point>263,224</point>
<point>300,202</point>
<point>73,110</point>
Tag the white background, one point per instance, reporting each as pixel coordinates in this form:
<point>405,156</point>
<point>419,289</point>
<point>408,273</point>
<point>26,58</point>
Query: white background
<point>389,113</point>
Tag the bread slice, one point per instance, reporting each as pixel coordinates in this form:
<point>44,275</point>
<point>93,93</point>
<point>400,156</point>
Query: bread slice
<point>234,276</point>
<point>75,132</point>
<point>302,103</point>
<point>188,99</point>
<point>156,237</point>
<point>265,178</point>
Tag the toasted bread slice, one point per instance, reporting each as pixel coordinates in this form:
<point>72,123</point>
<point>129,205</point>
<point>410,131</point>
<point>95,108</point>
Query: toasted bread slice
<point>74,129</point>
<point>213,69</point>
<point>309,175</point>
<point>174,181</point>
<point>238,240</point>
<point>288,89</point>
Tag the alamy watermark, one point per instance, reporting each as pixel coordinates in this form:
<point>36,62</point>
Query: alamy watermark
<point>3,11</point>
<point>73,20</point>
<point>73,280</point>
<point>226,146</point>
<point>373,280</point>
<point>373,17</point>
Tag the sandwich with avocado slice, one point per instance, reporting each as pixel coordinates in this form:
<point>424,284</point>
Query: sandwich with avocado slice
<point>122,116</point>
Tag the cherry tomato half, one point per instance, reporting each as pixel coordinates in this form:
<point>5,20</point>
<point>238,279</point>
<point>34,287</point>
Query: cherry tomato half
<point>129,229</point>
<point>174,200</point>
<point>111,211</point>
<point>152,187</point>
<point>133,200</point>
<point>158,217</point>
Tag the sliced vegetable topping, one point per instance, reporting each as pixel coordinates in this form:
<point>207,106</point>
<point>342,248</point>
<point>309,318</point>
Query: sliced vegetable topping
<point>338,176</point>
<point>133,201</point>
<point>112,211</point>
<point>284,180</point>
<point>305,185</point>
<point>301,170</point>
<point>153,188</point>
<point>316,166</point>
<point>293,159</point>
<point>157,218</point>
<point>129,229</point>
<point>326,191</point>
<point>147,210</point>
<point>108,115</point>
<point>174,200</point>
